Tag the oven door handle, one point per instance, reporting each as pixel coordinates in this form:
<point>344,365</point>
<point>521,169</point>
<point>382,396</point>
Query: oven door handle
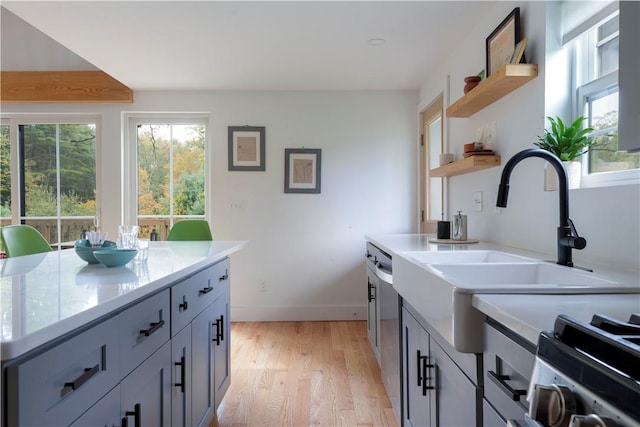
<point>501,382</point>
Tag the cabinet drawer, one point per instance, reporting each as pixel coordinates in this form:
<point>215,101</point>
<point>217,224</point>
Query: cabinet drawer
<point>507,371</point>
<point>143,328</point>
<point>57,386</point>
<point>194,294</point>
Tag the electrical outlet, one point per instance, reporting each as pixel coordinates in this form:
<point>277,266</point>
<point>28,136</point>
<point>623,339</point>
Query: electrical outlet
<point>263,286</point>
<point>477,201</point>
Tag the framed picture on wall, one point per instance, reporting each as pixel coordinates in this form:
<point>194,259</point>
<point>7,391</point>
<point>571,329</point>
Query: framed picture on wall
<point>302,170</point>
<point>502,41</point>
<point>246,148</point>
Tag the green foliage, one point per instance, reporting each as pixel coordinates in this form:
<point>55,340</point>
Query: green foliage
<point>5,172</point>
<point>155,174</point>
<point>566,142</point>
<point>77,168</point>
<point>189,194</point>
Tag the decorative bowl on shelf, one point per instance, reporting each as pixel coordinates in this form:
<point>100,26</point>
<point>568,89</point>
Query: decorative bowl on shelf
<point>115,257</point>
<point>85,251</point>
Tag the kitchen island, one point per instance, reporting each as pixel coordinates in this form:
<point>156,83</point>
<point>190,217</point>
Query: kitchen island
<point>82,343</point>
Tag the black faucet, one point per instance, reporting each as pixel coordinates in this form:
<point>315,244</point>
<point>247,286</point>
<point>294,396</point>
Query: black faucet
<point>567,236</point>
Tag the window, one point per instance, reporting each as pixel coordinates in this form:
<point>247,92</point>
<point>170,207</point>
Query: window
<point>170,172</point>
<point>596,56</point>
<point>51,183</point>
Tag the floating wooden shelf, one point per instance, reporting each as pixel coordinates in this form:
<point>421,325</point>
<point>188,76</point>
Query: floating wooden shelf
<point>504,81</point>
<point>470,164</point>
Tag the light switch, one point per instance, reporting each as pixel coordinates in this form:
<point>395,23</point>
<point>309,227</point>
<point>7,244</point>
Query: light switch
<point>477,201</point>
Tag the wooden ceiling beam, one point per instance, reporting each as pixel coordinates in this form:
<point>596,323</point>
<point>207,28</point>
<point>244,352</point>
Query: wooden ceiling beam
<point>62,86</point>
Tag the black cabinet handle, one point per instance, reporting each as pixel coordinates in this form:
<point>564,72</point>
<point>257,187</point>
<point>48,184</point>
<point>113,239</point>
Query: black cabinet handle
<point>154,326</point>
<point>371,287</point>
<point>221,327</point>
<point>183,374</point>
<point>224,277</point>
<point>137,418</point>
<point>86,374</point>
<point>501,382</point>
<point>420,358</point>
<point>423,374</point>
<point>426,377</point>
<point>219,330</point>
<point>184,305</point>
<point>206,290</point>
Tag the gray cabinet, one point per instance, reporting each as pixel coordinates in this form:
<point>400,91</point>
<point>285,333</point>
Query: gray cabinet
<point>417,380</point>
<point>105,413</point>
<point>56,386</point>
<point>145,394</point>
<point>508,364</point>
<point>373,302</point>
<point>221,347</point>
<point>161,361</point>
<point>373,311</point>
<point>440,385</point>
<point>210,339</point>
<point>181,373</point>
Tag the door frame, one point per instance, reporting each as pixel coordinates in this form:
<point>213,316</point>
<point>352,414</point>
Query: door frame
<point>428,115</point>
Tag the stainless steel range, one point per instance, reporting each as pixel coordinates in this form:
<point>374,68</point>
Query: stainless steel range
<point>587,374</point>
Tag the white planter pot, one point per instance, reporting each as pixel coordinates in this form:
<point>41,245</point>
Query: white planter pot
<point>574,172</point>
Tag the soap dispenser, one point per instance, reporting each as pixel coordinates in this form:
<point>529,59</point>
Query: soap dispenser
<point>459,227</point>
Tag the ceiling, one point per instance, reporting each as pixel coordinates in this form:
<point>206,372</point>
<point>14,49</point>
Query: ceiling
<point>262,45</point>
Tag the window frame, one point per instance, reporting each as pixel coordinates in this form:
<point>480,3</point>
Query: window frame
<point>584,67</point>
<point>129,185</point>
<point>14,121</point>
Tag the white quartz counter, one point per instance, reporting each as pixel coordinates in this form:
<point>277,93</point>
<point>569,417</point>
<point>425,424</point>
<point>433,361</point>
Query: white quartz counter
<point>45,296</point>
<point>525,314</point>
<point>528,315</point>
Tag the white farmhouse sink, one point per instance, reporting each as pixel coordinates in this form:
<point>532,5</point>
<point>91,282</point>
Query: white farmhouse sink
<point>541,275</point>
<point>458,257</point>
<point>441,285</point>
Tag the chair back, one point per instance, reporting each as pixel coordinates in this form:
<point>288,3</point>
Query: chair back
<point>19,240</point>
<point>190,229</point>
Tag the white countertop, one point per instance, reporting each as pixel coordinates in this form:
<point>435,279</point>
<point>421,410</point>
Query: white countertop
<point>527,314</point>
<point>45,296</point>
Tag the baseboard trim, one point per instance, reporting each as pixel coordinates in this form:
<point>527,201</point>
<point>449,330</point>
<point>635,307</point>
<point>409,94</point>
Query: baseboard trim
<point>297,313</point>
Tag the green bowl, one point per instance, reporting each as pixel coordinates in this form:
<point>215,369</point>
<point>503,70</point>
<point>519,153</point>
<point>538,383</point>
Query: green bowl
<point>115,257</point>
<point>85,251</point>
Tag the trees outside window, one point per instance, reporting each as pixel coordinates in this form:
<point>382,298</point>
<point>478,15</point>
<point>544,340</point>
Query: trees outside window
<point>171,174</point>
<point>55,172</point>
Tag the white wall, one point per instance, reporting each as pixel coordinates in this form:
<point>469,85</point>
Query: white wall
<point>607,217</point>
<point>308,249</point>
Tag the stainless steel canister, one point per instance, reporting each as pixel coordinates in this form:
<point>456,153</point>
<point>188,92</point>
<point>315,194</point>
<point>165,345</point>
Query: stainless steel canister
<point>459,227</point>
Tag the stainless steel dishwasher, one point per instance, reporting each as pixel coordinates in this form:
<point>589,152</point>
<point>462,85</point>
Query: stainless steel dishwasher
<point>389,316</point>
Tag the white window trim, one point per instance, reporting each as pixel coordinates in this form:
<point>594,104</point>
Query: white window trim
<point>129,185</point>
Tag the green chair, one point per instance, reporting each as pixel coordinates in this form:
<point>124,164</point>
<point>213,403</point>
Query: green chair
<point>190,229</point>
<point>19,240</point>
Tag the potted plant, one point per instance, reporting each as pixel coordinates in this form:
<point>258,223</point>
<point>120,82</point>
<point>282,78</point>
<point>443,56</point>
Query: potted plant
<point>567,143</point>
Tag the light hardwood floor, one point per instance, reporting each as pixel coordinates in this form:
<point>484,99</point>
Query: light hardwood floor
<point>303,374</point>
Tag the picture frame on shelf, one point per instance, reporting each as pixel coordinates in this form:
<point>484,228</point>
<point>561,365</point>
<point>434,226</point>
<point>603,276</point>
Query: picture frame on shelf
<point>246,148</point>
<point>518,52</point>
<point>302,167</point>
<point>501,43</point>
